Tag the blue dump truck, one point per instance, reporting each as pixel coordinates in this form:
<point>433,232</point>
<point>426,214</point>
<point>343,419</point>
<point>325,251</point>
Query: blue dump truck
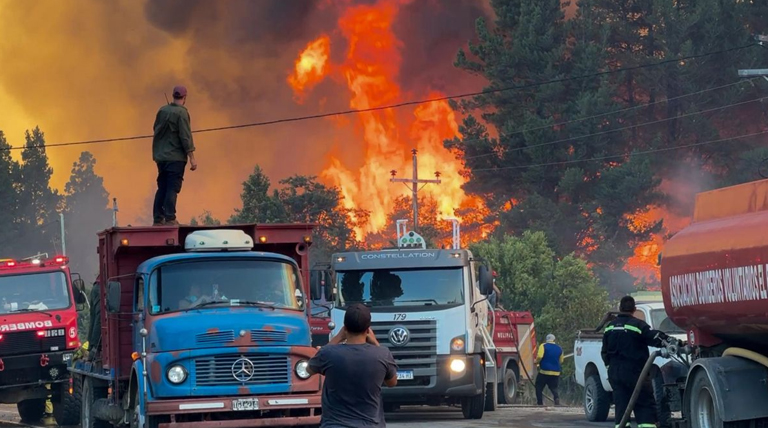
<point>191,327</point>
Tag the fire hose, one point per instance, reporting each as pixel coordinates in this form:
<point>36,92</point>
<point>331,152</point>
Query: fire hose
<point>671,348</point>
<point>522,363</point>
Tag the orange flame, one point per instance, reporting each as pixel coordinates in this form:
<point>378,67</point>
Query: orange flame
<point>311,66</point>
<point>371,73</point>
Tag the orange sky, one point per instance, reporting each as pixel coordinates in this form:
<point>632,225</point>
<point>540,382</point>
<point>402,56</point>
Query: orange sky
<point>87,69</point>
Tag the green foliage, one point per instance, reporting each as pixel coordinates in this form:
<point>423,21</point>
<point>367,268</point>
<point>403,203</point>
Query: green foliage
<point>301,199</point>
<point>37,211</point>
<point>563,294</point>
<point>9,199</point>
<point>86,213</point>
<point>205,219</point>
<point>583,192</point>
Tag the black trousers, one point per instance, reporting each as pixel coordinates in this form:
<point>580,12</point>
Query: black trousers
<point>549,381</point>
<point>623,379</point>
<point>170,175</point>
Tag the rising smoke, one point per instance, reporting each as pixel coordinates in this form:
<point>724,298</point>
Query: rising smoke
<point>86,69</point>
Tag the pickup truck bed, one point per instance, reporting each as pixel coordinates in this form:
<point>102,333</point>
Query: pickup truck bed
<point>592,374</point>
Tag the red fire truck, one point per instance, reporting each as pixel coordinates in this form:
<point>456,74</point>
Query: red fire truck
<point>38,335</point>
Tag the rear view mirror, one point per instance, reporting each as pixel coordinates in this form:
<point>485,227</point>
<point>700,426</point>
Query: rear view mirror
<point>486,281</point>
<point>80,298</point>
<point>79,284</point>
<point>113,296</point>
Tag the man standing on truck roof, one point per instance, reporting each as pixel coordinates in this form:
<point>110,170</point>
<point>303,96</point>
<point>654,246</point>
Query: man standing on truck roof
<point>550,361</point>
<point>171,146</point>
<point>355,367</point>
<point>625,351</point>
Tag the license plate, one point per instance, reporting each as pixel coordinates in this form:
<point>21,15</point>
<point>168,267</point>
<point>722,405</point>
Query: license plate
<point>245,404</point>
<point>406,375</point>
<point>66,357</point>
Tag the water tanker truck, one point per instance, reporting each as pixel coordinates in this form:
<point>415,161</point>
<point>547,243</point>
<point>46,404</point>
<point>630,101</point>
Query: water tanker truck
<point>715,288</point>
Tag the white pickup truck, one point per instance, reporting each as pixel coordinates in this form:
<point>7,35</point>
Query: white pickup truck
<point>592,374</point>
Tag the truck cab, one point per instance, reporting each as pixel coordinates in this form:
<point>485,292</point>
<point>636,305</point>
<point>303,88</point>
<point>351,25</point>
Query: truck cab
<point>38,335</point>
<point>429,307</point>
<point>214,334</point>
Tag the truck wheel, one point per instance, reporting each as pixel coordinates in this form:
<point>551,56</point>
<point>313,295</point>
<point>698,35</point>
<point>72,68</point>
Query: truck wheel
<point>149,421</point>
<point>89,396</point>
<point>597,401</point>
<point>703,412</point>
<point>490,397</point>
<point>472,407</point>
<point>67,410</point>
<point>31,410</point>
<point>508,387</point>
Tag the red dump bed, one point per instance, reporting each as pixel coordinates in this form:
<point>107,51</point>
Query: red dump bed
<point>713,272</point>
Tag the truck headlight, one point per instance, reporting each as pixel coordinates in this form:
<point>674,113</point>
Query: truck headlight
<point>458,365</point>
<point>302,369</point>
<point>457,344</point>
<point>177,374</point>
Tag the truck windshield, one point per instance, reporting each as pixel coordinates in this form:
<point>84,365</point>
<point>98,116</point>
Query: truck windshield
<point>34,292</point>
<point>403,287</point>
<point>661,322</point>
<point>217,283</point>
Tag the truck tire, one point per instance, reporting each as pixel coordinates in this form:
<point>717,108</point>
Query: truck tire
<point>597,401</point>
<point>508,387</point>
<point>89,395</point>
<point>491,399</point>
<point>67,410</point>
<point>473,407</point>
<point>701,404</point>
<point>149,421</point>
<point>31,410</point>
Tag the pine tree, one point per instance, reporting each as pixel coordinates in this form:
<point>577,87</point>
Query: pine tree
<point>258,205</point>
<point>38,203</point>
<point>86,213</point>
<point>9,200</point>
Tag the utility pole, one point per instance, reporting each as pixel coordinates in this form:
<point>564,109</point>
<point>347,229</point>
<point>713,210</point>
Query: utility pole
<point>414,182</point>
<point>63,236</point>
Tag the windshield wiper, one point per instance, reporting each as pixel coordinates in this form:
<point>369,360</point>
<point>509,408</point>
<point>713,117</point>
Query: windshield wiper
<point>209,303</point>
<point>34,310</point>
<point>257,303</point>
<point>425,301</point>
<point>233,302</point>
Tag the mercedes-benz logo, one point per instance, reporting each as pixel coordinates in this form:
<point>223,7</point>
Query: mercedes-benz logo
<point>399,336</point>
<point>242,370</point>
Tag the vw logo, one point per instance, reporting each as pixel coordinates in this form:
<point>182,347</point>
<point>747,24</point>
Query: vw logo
<point>399,336</point>
<point>242,370</point>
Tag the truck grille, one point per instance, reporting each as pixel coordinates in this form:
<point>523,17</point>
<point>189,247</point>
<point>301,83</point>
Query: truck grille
<point>419,353</point>
<point>218,370</point>
<point>27,342</point>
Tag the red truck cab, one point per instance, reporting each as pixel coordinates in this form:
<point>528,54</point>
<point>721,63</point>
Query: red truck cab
<point>38,335</point>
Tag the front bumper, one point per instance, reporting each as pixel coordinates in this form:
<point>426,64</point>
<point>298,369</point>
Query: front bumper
<point>274,410</point>
<point>445,384</point>
<point>34,369</point>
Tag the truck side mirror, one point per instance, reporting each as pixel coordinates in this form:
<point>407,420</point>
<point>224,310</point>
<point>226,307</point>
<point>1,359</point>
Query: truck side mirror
<point>79,284</point>
<point>486,281</point>
<point>113,296</point>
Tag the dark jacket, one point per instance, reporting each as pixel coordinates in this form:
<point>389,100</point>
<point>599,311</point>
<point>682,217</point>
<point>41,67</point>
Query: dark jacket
<point>626,341</point>
<point>173,134</point>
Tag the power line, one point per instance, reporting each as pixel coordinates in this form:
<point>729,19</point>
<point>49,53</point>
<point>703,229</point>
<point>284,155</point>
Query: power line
<point>645,152</point>
<point>399,105</point>
<point>624,128</point>
<point>597,116</point>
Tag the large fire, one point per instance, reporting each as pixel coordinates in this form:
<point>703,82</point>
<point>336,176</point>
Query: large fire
<point>370,71</point>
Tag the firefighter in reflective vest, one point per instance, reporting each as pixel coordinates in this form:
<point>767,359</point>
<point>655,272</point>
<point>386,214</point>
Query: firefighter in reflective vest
<point>550,362</point>
<point>625,351</point>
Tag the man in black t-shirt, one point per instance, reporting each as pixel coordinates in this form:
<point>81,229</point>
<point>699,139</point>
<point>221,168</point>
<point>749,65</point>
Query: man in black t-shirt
<point>355,367</point>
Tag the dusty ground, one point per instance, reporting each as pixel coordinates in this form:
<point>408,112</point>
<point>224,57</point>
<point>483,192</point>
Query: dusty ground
<point>415,417</point>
